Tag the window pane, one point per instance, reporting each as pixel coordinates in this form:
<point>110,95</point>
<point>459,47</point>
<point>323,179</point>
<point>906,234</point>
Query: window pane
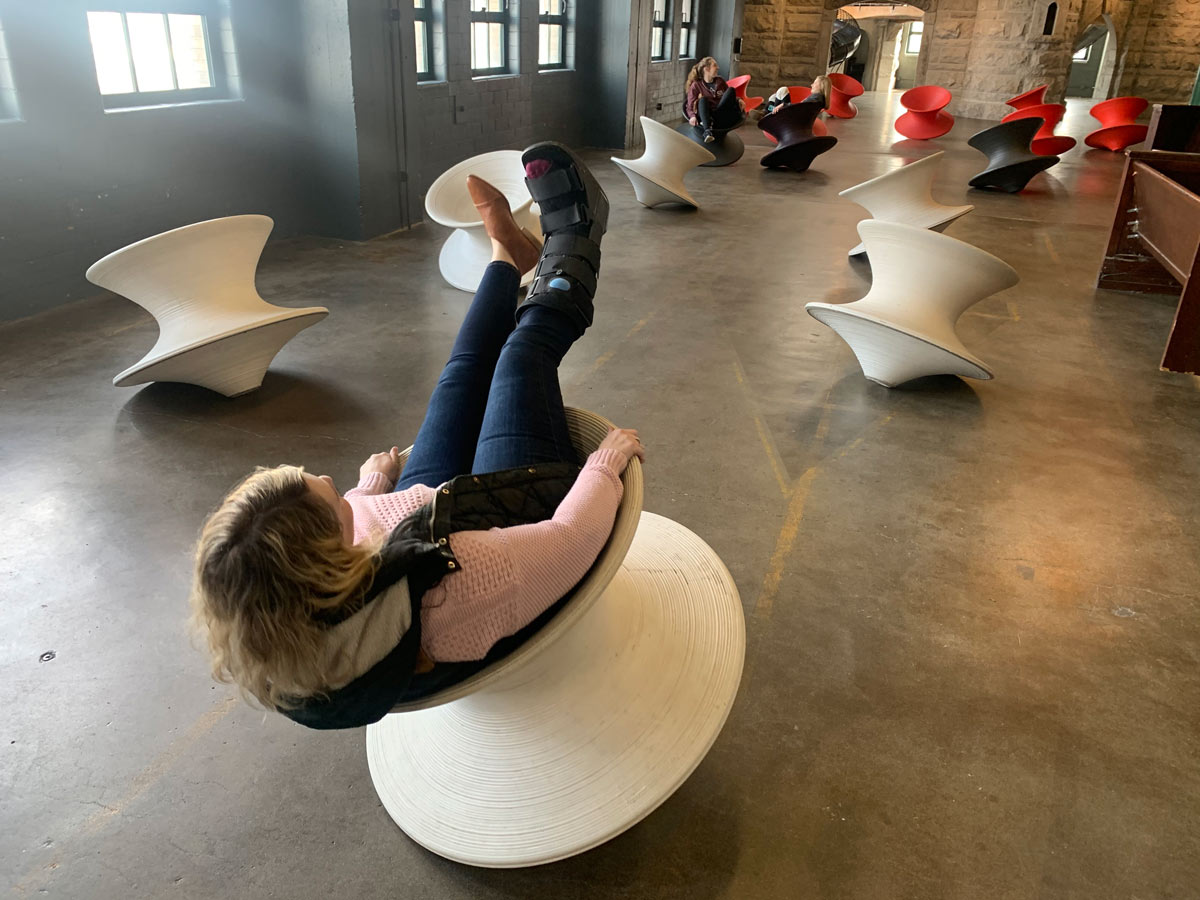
<point>914,44</point>
<point>418,4</point>
<point>189,51</point>
<point>479,45</point>
<point>543,43</point>
<point>660,10</point>
<point>656,42</point>
<point>544,8</point>
<point>918,27</point>
<point>556,47</point>
<point>1082,55</point>
<point>108,48</point>
<point>495,41</point>
<point>151,55</point>
<point>422,50</point>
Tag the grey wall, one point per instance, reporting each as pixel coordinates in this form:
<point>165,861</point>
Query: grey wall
<point>77,183</point>
<point>1082,78</point>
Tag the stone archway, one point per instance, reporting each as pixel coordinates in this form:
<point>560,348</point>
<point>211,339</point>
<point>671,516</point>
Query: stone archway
<point>829,13</point>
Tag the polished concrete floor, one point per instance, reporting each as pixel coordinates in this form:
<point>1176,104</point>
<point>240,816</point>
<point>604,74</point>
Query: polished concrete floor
<point>973,631</point>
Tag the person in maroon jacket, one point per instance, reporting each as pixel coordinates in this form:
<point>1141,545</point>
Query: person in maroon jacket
<point>711,103</point>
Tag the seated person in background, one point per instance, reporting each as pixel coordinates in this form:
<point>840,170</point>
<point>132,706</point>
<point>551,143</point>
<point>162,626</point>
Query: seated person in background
<point>822,90</point>
<point>323,606</point>
<point>710,102</point>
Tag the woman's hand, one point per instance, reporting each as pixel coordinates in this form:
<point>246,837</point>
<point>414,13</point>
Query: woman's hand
<point>693,121</point>
<point>387,464</point>
<point>742,104</point>
<point>626,442</point>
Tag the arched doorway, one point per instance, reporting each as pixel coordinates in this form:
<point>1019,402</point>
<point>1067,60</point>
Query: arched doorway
<point>1094,60</point>
<point>890,42</point>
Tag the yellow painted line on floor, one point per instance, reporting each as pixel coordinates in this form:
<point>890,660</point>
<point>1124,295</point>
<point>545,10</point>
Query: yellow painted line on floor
<point>604,358</point>
<point>765,602</point>
<point>1050,246</point>
<point>773,456</point>
<point>783,544</point>
<point>154,772</point>
<point>145,780</point>
<point>1012,310</point>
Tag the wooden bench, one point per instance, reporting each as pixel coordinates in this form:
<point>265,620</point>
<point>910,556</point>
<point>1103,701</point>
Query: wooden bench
<point>1154,241</point>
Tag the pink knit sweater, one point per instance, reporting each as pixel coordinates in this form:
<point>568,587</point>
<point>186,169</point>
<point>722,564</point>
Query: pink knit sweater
<point>509,576</point>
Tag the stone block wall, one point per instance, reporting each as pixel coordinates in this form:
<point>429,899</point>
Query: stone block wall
<point>780,42</point>
<point>1163,41</point>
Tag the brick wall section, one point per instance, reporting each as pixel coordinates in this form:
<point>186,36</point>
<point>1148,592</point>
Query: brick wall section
<point>665,85</point>
<point>1164,51</point>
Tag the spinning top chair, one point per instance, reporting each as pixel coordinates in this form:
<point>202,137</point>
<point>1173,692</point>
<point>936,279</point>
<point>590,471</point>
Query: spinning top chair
<point>600,713</point>
<point>905,196</point>
<point>924,281</point>
<point>1118,129</point>
<point>1045,142</point>
<point>792,129</point>
<point>214,330</point>
<point>468,250</point>
<point>926,118</point>
<point>1032,97</point>
<point>727,146</point>
<point>657,175</point>
<point>1010,161</point>
<point>845,89</point>
<point>739,85</point>
<point>798,94</point>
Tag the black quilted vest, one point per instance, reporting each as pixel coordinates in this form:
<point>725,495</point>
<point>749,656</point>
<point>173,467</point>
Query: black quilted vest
<point>418,549</point>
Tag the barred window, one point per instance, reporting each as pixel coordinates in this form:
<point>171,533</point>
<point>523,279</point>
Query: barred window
<point>687,28</point>
<point>660,30</point>
<point>152,58</point>
<point>552,34</point>
<point>489,37</point>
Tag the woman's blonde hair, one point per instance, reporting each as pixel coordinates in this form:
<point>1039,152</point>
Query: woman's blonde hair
<point>269,559</point>
<point>697,71</point>
<point>823,86</point>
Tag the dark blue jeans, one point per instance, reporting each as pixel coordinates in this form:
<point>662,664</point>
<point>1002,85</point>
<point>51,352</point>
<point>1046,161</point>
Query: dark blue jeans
<point>497,404</point>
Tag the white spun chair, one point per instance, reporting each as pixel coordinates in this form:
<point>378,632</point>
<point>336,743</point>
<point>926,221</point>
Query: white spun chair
<point>923,282</point>
<point>468,250</point>
<point>657,175</point>
<point>214,330</point>
<point>905,195</point>
<point>593,722</point>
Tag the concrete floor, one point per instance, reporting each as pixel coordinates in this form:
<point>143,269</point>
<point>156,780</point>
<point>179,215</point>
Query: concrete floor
<point>971,606</point>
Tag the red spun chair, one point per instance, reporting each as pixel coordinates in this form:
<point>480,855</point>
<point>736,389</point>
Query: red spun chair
<point>925,118</point>
<point>1117,129</point>
<point>845,89</point>
<point>1032,97</point>
<point>1045,142</point>
<point>739,86</point>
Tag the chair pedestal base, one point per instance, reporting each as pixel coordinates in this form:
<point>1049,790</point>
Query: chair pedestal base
<point>588,737</point>
<point>231,365</point>
<point>467,253</point>
<point>726,149</point>
<point>890,355</point>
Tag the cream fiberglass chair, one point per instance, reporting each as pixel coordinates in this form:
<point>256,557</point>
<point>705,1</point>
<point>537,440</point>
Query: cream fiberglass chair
<point>198,283</point>
<point>657,175</point>
<point>904,327</point>
<point>588,725</point>
<point>905,195</point>
<point>468,250</point>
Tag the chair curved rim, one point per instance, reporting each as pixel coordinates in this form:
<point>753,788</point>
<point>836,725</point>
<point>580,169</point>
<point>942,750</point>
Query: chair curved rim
<point>587,430</point>
<point>853,87</point>
<point>461,170</point>
<point>1118,102</point>
<point>922,91</point>
<point>97,269</point>
<point>679,192</point>
<point>284,315</point>
<point>1025,95</point>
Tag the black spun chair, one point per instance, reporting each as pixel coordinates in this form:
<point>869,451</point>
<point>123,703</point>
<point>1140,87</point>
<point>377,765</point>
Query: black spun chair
<point>792,127</point>
<point>1011,162</point>
<point>727,145</point>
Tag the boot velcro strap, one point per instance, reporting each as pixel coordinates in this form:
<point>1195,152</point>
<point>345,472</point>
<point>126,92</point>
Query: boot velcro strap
<point>574,214</point>
<point>554,183</point>
<point>569,244</point>
<point>551,267</point>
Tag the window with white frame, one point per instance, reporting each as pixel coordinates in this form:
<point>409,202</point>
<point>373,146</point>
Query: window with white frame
<point>1082,55</point>
<point>552,34</point>
<point>8,88</point>
<point>423,33</point>
<point>912,46</point>
<point>687,28</point>
<point>660,30</point>
<point>152,58</point>
<point>489,37</point>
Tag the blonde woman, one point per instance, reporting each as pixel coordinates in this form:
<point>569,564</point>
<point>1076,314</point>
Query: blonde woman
<point>710,103</point>
<point>820,92</point>
<point>324,607</point>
